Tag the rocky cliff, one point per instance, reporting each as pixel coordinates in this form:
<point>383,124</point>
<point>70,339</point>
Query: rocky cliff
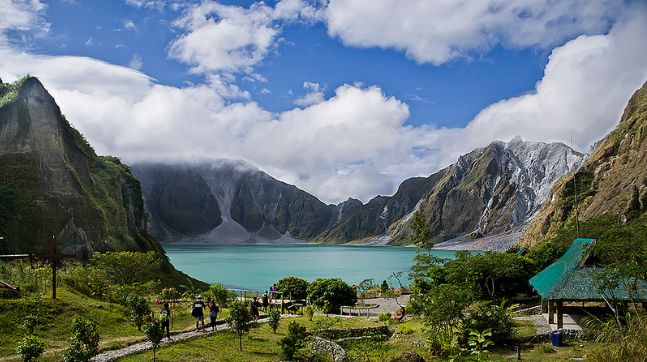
<point>53,183</point>
<point>612,181</point>
<point>227,201</point>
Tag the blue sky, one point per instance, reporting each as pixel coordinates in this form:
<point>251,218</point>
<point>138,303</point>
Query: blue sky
<point>450,94</point>
<point>344,98</point>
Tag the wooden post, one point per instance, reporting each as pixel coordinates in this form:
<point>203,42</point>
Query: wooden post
<point>560,315</point>
<point>544,306</point>
<point>551,311</point>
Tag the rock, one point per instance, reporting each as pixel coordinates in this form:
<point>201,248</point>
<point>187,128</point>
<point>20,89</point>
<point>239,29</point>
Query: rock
<point>328,348</point>
<point>408,357</point>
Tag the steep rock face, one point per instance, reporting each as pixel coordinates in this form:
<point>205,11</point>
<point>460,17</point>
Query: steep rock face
<point>52,182</point>
<point>357,221</point>
<point>613,180</point>
<point>253,207</point>
<point>491,190</point>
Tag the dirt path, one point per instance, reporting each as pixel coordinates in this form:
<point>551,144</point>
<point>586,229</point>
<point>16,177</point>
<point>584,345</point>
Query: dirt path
<point>180,337</point>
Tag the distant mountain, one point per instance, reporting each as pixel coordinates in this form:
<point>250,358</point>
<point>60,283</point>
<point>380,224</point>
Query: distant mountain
<point>612,181</point>
<point>227,201</point>
<point>53,183</point>
<point>488,191</point>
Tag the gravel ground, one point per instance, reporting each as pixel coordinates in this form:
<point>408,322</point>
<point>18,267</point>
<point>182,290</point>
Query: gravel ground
<point>385,305</point>
<point>143,346</point>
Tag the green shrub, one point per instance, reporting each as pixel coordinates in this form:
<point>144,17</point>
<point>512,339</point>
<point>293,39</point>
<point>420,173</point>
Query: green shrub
<point>294,340</point>
<point>84,342</point>
<point>546,349</point>
<point>274,316</point>
<point>294,287</point>
<point>154,334</point>
<point>309,312</point>
<point>138,310</point>
<point>30,348</point>
<point>384,317</point>
<point>331,294</point>
<point>404,329</point>
<point>222,295</point>
<point>497,318</point>
<point>240,319</point>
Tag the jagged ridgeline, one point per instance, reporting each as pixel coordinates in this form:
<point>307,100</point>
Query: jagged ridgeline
<point>610,187</point>
<point>53,183</point>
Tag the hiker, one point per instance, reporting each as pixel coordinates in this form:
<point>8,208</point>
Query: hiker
<point>197,312</point>
<point>273,291</point>
<point>213,314</point>
<point>265,299</point>
<point>165,320</point>
<point>253,308</point>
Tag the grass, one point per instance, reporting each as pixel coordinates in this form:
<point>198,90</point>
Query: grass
<point>115,329</point>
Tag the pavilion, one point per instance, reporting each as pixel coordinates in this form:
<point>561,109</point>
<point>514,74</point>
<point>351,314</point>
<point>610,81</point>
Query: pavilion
<point>569,279</point>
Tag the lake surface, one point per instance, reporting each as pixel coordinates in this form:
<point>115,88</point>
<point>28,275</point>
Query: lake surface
<point>258,266</point>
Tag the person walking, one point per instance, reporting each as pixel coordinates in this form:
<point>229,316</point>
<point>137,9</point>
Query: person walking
<point>213,314</point>
<point>197,311</point>
<point>265,300</point>
<point>165,320</point>
<point>253,308</point>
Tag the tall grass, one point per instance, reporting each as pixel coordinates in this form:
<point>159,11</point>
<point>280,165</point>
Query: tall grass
<point>625,341</point>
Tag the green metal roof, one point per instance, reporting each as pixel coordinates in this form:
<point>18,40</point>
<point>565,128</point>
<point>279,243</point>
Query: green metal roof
<point>568,279</point>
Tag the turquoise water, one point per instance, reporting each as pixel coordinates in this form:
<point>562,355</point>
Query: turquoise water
<point>258,266</point>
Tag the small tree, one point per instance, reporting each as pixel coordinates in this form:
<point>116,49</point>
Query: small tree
<point>420,231</point>
<point>274,316</point>
<point>239,320</point>
<point>293,287</point>
<point>293,341</point>
<point>84,342</point>
<point>30,348</point>
<point>154,333</point>
<point>221,294</point>
<point>138,309</point>
<point>331,294</point>
<point>479,342</point>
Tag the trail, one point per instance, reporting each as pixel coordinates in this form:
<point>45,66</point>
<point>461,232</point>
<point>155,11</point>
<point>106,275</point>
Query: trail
<point>176,338</point>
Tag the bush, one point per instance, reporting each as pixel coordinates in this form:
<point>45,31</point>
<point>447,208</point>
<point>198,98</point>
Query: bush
<point>497,318</point>
<point>138,310</point>
<point>295,287</point>
<point>404,329</point>
<point>384,317</point>
<point>84,343</point>
<point>294,340</point>
<point>331,294</point>
<point>274,316</point>
<point>309,312</point>
<point>30,348</point>
<point>154,333</point>
<point>222,295</point>
<point>240,319</point>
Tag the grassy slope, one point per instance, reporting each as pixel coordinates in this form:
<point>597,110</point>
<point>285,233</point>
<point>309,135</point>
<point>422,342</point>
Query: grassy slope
<point>56,315</point>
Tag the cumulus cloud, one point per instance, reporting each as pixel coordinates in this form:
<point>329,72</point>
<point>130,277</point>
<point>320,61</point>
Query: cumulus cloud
<point>228,38</point>
<point>356,142</point>
<point>439,31</point>
<point>21,15</point>
<point>314,95</point>
<point>148,4</point>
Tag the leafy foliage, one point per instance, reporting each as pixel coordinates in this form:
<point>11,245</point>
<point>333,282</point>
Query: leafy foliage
<point>421,235</point>
<point>293,286</point>
<point>30,348</point>
<point>294,340</point>
<point>154,334</point>
<point>138,310</point>
<point>84,342</point>
<point>240,319</point>
<point>331,294</point>
<point>479,342</point>
<point>274,317</point>
<point>496,318</point>
<point>221,295</point>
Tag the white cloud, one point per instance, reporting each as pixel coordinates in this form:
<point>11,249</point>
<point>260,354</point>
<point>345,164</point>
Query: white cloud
<point>148,4</point>
<point>439,31</point>
<point>21,15</point>
<point>315,95</point>
<point>354,143</point>
<point>130,25</point>
<point>136,62</point>
<point>89,42</point>
<point>222,38</point>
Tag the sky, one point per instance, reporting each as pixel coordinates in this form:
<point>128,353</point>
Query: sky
<point>343,98</point>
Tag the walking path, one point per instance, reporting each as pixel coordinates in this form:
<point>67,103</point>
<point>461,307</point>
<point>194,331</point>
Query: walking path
<point>541,325</point>
<point>143,346</point>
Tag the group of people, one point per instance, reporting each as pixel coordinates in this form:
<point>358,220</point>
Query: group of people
<point>197,311</point>
<point>198,308</point>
